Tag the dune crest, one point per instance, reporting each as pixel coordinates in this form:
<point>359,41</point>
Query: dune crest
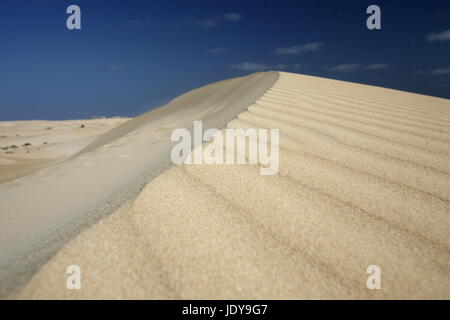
<point>42,211</point>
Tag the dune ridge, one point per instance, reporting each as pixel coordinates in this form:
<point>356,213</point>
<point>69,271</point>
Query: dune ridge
<point>41,212</point>
<point>364,180</point>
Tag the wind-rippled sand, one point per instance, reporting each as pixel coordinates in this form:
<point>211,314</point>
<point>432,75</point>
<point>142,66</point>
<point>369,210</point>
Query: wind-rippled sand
<point>364,180</point>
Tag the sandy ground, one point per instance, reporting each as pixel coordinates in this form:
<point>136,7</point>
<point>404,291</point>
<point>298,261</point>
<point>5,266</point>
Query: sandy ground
<point>27,146</point>
<point>364,180</point>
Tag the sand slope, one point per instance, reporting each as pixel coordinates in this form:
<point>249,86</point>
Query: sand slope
<point>364,180</point>
<point>39,213</point>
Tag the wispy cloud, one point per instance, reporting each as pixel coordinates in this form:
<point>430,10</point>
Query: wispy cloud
<point>115,67</point>
<point>346,68</point>
<point>216,50</point>
<point>353,67</point>
<point>250,66</point>
<point>309,47</point>
<point>376,66</point>
<point>214,21</point>
<point>299,66</point>
<point>439,36</point>
<point>208,23</point>
<point>233,16</point>
<point>441,71</point>
<point>435,72</point>
<point>280,67</point>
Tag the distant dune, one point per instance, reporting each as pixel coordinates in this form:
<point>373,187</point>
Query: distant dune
<point>27,146</point>
<point>364,179</point>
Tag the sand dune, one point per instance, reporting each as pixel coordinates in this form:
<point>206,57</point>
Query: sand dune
<point>42,211</point>
<point>364,179</point>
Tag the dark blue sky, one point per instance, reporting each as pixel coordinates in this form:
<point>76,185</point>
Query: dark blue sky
<point>131,56</point>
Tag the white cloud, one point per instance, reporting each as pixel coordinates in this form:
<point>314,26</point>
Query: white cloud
<point>346,68</point>
<point>301,67</point>
<point>213,22</point>
<point>441,71</point>
<point>435,72</point>
<point>250,66</point>
<point>314,46</point>
<point>280,67</point>
<point>353,67</point>
<point>377,66</point>
<point>233,16</point>
<point>208,23</point>
<point>216,50</point>
<point>115,67</point>
<point>439,36</point>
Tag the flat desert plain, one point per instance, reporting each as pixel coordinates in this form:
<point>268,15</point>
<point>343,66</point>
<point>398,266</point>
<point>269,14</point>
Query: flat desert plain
<point>363,180</point>
<point>26,146</point>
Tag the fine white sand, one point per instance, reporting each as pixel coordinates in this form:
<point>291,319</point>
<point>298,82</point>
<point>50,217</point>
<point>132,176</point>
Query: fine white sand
<point>42,211</point>
<point>364,180</point>
<point>26,146</point>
